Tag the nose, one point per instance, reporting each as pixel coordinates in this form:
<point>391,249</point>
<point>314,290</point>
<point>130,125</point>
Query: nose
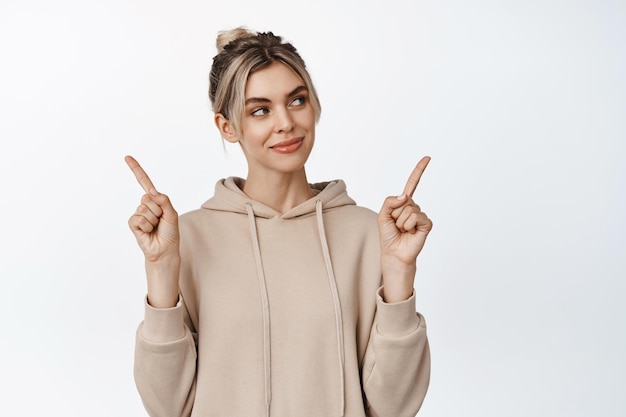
<point>284,121</point>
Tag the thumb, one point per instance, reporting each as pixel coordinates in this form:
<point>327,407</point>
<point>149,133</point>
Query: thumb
<point>169,214</point>
<point>391,203</point>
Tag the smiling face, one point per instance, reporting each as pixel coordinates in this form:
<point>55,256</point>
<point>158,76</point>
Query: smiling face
<point>278,124</point>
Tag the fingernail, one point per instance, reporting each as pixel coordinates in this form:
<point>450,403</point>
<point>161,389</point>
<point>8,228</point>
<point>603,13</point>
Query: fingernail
<point>153,191</point>
<point>401,196</point>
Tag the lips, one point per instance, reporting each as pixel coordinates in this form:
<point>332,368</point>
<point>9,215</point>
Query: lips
<point>288,146</point>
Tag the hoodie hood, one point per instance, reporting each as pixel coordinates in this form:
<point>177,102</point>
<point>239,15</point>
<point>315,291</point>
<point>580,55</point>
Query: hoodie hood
<point>230,197</point>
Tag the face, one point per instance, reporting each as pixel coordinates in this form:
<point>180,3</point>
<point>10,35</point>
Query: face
<point>278,126</point>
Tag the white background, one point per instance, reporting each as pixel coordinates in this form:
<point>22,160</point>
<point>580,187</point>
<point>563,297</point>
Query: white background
<point>521,104</point>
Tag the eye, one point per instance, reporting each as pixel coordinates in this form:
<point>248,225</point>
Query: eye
<point>298,101</point>
<point>260,111</point>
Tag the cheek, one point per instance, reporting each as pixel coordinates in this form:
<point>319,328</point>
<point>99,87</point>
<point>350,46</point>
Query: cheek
<point>255,133</point>
<point>307,118</point>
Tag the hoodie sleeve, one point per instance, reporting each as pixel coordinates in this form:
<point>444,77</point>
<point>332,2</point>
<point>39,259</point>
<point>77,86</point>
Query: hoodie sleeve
<point>396,367</point>
<point>165,361</point>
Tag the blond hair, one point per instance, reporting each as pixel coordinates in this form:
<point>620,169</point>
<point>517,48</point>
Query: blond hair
<point>240,53</point>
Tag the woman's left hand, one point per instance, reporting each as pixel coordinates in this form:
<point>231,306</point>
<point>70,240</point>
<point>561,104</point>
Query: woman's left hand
<point>402,228</point>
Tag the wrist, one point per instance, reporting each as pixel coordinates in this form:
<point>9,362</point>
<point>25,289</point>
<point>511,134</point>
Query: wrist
<point>162,278</point>
<point>398,279</point>
<point>163,264</point>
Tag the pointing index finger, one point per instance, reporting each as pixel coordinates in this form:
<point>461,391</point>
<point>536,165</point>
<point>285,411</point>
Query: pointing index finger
<point>140,175</point>
<point>415,176</point>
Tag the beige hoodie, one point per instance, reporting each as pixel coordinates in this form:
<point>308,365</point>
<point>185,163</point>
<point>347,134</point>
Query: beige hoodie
<point>281,316</point>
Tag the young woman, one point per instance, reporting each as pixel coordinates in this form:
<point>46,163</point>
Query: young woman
<point>278,297</point>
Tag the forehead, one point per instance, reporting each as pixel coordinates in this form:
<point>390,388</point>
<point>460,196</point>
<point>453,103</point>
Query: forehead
<point>275,80</point>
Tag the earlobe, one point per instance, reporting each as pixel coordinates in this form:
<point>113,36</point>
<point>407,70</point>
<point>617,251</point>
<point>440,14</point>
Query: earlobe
<point>225,128</point>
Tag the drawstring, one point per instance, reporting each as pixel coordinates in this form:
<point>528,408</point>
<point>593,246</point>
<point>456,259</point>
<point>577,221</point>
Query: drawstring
<point>266,309</point>
<point>333,288</point>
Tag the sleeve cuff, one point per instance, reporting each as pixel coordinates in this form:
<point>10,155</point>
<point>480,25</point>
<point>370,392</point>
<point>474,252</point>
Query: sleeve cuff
<point>396,319</point>
<point>162,325</point>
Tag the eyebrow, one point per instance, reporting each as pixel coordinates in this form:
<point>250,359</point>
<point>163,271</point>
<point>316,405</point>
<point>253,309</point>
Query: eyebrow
<point>266,100</point>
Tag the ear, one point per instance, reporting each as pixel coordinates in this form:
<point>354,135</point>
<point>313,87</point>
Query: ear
<point>225,128</point>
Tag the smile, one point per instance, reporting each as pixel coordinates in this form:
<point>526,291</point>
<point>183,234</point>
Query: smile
<point>288,146</point>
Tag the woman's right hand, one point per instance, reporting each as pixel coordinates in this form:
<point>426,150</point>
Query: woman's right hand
<point>155,226</point>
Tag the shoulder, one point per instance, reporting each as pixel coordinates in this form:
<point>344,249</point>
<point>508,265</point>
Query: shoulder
<point>198,221</point>
<point>193,217</point>
<point>353,213</point>
<point>354,222</point>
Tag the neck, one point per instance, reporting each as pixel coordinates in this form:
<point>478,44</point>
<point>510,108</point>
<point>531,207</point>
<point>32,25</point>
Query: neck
<point>280,191</point>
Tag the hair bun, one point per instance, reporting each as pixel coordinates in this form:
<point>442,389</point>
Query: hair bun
<point>225,37</point>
